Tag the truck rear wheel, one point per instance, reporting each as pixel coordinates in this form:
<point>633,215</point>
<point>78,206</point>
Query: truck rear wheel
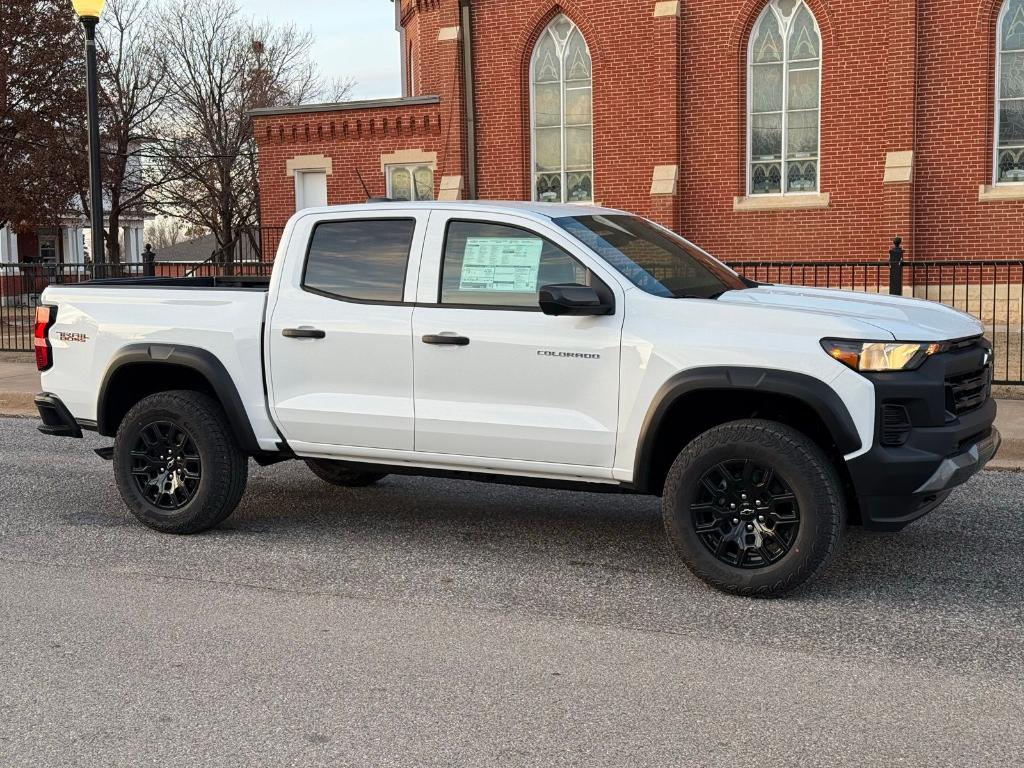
<point>340,474</point>
<point>176,462</point>
<point>753,508</point>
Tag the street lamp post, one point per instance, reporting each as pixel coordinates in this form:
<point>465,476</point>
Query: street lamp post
<point>89,14</point>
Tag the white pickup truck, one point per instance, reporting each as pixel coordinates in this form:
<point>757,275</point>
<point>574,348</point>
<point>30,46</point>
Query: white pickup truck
<point>562,346</point>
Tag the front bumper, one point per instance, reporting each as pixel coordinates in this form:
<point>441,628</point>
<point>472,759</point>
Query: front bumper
<point>895,484</point>
<point>957,470</point>
<point>57,419</point>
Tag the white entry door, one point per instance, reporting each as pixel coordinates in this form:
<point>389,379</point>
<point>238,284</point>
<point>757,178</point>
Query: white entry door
<point>494,376</point>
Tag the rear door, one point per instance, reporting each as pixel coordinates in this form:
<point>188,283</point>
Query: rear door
<point>495,377</point>
<point>339,332</point>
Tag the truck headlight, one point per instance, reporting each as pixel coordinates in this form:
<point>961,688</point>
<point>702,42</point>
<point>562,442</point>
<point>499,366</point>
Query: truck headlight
<point>880,355</point>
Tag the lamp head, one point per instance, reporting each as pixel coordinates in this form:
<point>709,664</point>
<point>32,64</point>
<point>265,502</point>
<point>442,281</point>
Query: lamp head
<point>88,8</point>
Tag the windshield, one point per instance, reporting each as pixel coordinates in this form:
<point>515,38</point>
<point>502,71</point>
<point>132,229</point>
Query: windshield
<point>653,259</point>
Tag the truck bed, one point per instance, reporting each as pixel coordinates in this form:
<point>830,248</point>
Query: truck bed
<point>233,282</point>
<point>99,320</point>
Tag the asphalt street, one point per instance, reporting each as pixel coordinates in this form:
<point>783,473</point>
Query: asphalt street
<point>435,622</point>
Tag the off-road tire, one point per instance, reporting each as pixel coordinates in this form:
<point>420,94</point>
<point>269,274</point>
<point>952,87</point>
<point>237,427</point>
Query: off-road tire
<point>223,472</point>
<point>337,473</point>
<point>804,467</point>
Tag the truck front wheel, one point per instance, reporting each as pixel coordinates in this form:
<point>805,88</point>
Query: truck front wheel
<point>753,507</point>
<point>176,462</point>
<point>338,473</point>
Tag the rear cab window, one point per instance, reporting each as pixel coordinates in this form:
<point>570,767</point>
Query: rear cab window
<point>362,260</point>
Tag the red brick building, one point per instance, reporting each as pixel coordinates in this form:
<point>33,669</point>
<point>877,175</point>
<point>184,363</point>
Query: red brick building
<point>757,128</point>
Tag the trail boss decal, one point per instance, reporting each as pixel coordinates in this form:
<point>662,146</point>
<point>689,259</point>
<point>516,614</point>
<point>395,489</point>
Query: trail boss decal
<point>580,355</point>
<point>80,337</point>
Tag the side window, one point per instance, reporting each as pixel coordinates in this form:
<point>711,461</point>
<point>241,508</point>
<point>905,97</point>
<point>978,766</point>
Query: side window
<point>502,266</point>
<point>361,260</point>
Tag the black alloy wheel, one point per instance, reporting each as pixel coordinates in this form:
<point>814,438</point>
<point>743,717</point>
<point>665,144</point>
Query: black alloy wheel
<point>177,463</point>
<point>745,513</point>
<point>166,466</point>
<point>754,507</point>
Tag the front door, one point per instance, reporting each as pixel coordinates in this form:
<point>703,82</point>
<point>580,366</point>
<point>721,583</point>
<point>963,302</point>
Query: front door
<point>495,377</point>
<point>340,343</point>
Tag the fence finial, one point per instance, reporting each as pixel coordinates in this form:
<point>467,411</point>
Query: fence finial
<point>149,261</point>
<point>896,267</point>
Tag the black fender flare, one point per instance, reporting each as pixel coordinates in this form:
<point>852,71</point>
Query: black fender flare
<point>816,394</point>
<point>203,362</point>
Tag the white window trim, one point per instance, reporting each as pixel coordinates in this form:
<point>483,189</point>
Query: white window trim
<point>411,168</point>
<point>1004,11</point>
<point>55,239</point>
<point>785,94</point>
<point>562,125</point>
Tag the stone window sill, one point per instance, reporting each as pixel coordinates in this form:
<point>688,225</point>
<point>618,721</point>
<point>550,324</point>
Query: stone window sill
<point>994,193</point>
<point>780,202</point>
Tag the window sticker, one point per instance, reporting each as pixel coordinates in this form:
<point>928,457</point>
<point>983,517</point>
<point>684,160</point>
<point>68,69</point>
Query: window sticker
<point>501,264</point>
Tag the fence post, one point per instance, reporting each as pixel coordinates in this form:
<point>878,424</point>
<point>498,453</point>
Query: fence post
<point>149,261</point>
<point>896,267</point>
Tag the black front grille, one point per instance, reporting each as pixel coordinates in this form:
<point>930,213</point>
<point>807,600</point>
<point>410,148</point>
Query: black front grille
<point>967,391</point>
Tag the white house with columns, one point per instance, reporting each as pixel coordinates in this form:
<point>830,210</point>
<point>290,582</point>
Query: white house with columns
<point>67,243</point>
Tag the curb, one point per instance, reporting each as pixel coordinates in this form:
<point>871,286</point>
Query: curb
<point>17,357</point>
<point>17,404</point>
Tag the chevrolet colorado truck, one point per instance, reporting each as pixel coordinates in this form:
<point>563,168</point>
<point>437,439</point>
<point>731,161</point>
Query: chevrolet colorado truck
<point>555,345</point>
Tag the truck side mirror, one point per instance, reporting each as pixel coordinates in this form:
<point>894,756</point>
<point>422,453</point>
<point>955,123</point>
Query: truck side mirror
<point>573,299</point>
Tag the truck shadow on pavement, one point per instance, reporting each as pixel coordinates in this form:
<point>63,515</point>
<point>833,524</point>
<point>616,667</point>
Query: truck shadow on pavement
<point>959,551</point>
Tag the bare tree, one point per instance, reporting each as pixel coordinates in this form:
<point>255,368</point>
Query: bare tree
<point>165,231</point>
<point>218,67</point>
<point>42,98</point>
<point>132,94</point>
<point>338,89</point>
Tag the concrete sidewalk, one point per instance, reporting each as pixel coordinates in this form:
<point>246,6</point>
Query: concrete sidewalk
<point>19,382</point>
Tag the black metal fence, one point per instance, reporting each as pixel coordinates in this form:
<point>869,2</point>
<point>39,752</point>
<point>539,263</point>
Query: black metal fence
<point>991,290</point>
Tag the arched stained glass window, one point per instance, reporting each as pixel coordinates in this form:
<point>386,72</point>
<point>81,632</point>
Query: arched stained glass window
<point>784,100</point>
<point>1009,156</point>
<point>562,121</point>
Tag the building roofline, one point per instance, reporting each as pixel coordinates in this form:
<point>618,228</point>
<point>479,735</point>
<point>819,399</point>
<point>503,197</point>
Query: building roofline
<point>343,106</point>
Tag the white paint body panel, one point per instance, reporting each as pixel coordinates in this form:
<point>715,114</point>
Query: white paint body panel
<point>498,397</point>
<point>373,392</point>
<point>226,323</point>
<point>355,386</point>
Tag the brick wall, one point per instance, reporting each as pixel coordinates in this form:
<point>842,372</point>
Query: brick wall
<point>956,60</point>
<point>354,140</point>
<point>909,75</point>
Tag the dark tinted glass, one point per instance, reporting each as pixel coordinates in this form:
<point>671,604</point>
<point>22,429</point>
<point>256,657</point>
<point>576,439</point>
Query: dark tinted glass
<point>363,260</point>
<point>497,265</point>
<point>653,259</point>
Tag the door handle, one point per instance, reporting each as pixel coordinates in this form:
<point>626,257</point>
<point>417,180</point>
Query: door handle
<point>440,338</point>
<point>303,333</point>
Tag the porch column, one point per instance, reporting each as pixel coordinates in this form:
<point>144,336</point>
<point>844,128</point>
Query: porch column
<point>8,251</point>
<point>73,242</point>
<point>131,236</point>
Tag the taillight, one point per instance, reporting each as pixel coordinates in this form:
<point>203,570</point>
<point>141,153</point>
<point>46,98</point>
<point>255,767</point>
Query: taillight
<point>45,317</point>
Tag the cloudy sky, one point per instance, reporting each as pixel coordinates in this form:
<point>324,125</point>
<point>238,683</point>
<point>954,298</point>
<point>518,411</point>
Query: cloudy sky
<point>354,38</point>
